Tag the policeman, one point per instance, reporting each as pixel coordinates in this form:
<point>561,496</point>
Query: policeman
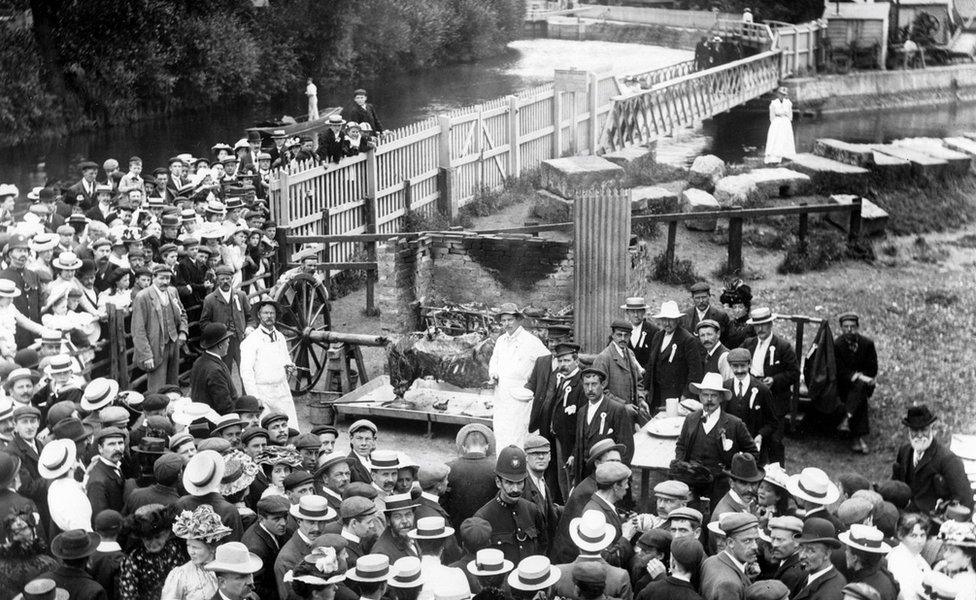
<point>517,525</point>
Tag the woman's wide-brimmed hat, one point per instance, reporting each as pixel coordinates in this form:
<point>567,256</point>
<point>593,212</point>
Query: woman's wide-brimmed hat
<point>239,473</point>
<point>57,458</point>
<point>813,485</point>
<point>777,475</point>
<point>321,568</point>
<point>591,532</point>
<point>961,534</point>
<point>202,524</point>
<point>712,382</point>
<point>534,573</point>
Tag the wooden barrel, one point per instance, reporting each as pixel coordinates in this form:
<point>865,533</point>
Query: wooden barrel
<point>321,410</point>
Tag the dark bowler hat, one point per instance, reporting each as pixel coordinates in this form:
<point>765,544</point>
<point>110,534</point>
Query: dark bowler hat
<point>247,404</point>
<point>253,135</point>
<point>42,589</point>
<point>70,428</point>
<point>919,417</point>
<point>511,464</point>
<point>564,348</point>
<point>744,468</point>
<point>819,531</point>
<point>75,543</point>
<point>213,334</point>
<point>594,371</point>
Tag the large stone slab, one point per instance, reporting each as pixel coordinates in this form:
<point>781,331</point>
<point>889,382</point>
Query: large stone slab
<point>874,219</point>
<point>695,200</point>
<point>780,181</point>
<point>654,199</point>
<point>889,167</point>
<point>956,162</point>
<point>552,208</point>
<point>706,171</point>
<point>568,176</point>
<point>923,165</point>
<point>961,144</point>
<point>735,190</point>
<point>636,161</point>
<point>827,172</point>
<point>859,155</point>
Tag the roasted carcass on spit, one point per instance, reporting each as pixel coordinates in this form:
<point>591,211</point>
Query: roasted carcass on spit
<point>459,360</point>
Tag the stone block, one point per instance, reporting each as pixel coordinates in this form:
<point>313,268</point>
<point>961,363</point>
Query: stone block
<point>826,171</point>
<point>961,144</point>
<point>859,155</point>
<point>552,208</point>
<point>705,172</point>
<point>890,167</point>
<point>922,164</point>
<point>780,182</point>
<point>956,162</point>
<point>874,219</point>
<point>735,190</point>
<point>567,176</point>
<point>695,200</point>
<point>653,198</point>
<point>637,161</point>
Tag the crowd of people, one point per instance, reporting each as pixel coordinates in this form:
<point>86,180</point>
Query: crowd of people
<point>216,490</point>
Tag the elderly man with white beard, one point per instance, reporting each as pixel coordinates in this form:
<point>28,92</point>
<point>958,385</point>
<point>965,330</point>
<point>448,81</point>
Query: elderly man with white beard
<point>931,471</point>
<point>511,363</point>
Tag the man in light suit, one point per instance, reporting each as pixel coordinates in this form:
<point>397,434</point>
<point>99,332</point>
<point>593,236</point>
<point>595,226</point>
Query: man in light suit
<point>702,309</point>
<point>603,416</point>
<point>773,363</point>
<point>159,328</point>
<point>624,375</point>
<point>723,576</point>
<point>675,361</point>
<point>644,331</point>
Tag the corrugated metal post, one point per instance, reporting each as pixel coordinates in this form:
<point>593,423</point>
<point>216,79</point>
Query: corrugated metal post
<point>601,263</point>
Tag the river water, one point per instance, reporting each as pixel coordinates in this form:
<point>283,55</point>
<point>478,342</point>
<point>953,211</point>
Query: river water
<point>403,98</point>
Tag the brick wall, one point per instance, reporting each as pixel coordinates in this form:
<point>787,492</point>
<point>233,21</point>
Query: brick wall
<point>463,267</point>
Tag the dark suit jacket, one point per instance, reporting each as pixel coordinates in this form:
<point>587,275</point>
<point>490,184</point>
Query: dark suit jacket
<point>690,320</point>
<point>95,214</point>
<point>780,364</point>
<point>563,548</point>
<point>880,579</point>
<point>617,580</point>
<point>32,485</point>
<point>567,399</point>
<point>357,470</point>
<point>864,359</point>
<point>642,350</point>
<point>623,373</point>
<point>266,547</point>
<point>151,494</point>
<point>291,555</point>
<point>189,281</point>
<point>696,445</point>
<point>546,505</point>
<point>79,196</point>
<point>620,551</point>
<point>104,567</point>
<point>104,488</point>
<point>210,383</point>
<point>725,505</point>
<point>938,475</point>
<point>792,574</point>
<point>668,373</point>
<point>233,314</point>
<point>669,588</point>
<point>760,419</point>
<point>472,484</point>
<point>611,420</point>
<point>541,383</point>
<point>825,587</point>
<point>393,546</point>
<point>722,580</point>
<point>78,582</point>
<point>366,113</point>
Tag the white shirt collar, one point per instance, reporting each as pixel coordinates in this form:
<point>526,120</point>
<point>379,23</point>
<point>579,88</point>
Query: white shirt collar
<point>738,565</point>
<point>226,295</point>
<point>108,463</point>
<point>667,340</point>
<point>712,420</point>
<point>433,498</point>
<point>304,537</point>
<point>617,348</point>
<point>352,537</point>
<point>108,546</point>
<point>818,574</point>
<point>332,493</point>
<point>737,498</point>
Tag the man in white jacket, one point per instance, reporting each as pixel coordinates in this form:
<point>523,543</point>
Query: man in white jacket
<point>266,364</point>
<point>509,368</point>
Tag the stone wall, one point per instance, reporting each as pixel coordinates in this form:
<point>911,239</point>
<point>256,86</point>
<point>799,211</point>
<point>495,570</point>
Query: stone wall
<point>461,267</point>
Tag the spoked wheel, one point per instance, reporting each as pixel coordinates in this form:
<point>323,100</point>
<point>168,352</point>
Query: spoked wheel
<point>304,303</point>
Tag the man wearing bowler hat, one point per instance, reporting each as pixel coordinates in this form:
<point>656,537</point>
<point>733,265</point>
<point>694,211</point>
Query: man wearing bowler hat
<point>210,380</point>
<point>635,309</point>
<point>266,364</point>
<point>159,327</point>
<point>518,526</point>
<point>931,471</point>
<point>817,542</point>
<point>624,374</point>
<point>603,416</point>
<point>229,306</point>
<point>73,548</point>
<point>675,360</point>
<point>744,477</point>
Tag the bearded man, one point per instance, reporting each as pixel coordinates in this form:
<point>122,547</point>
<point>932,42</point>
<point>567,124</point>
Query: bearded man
<point>931,471</point>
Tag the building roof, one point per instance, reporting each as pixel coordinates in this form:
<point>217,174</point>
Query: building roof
<point>857,11</point>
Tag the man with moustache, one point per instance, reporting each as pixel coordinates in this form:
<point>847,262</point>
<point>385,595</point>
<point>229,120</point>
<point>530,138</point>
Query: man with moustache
<point>624,374</point>
<point>715,355</point>
<point>384,467</point>
<point>604,416</point>
<point>823,581</point>
<point>159,327</point>
<point>931,471</point>
<point>675,361</point>
<point>644,331</point>
<point>311,514</point>
<point>518,526</point>
<point>723,576</point>
<point>105,485</point>
<point>394,541</point>
<point>331,478</point>
<point>744,478</point>
<point>565,397</point>
<point>230,307</point>
<point>266,364</point>
<point>783,531</point>
<point>29,302</point>
<point>751,401</point>
<point>191,275</point>
<point>702,310</point>
<point>234,567</point>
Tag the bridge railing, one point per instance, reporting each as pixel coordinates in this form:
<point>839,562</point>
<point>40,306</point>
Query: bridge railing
<point>757,33</point>
<point>641,116</point>
<point>647,79</point>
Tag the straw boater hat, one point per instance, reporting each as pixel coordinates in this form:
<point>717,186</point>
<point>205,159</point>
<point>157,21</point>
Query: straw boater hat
<point>9,289</point>
<point>234,557</point>
<point>399,502</point>
<point>935,586</point>
<point>865,538</point>
<point>203,473</point>
<point>99,393</point>
<point>813,485</point>
<point>370,568</point>
<point>760,315</point>
<point>534,573</point>
<point>488,562</point>
<point>57,458</point>
<point>669,310</point>
<point>712,382</point>
<point>42,589</point>
<point>591,532</point>
<point>430,528</point>
<point>313,508</point>
<point>634,303</point>
<point>384,459</point>
<point>406,573</point>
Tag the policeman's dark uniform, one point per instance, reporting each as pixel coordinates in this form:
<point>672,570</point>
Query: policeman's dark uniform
<point>517,529</point>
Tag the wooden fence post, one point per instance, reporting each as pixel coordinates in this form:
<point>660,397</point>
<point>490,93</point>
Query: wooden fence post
<point>284,200</point>
<point>735,244</point>
<point>369,219</point>
<point>557,119</point>
<point>407,197</point>
<point>283,253</point>
<point>447,204</point>
<point>593,99</point>
<point>801,234</point>
<point>478,148</point>
<point>795,386</point>
<point>854,227</point>
<point>514,147</point>
<point>325,226</point>
<point>669,251</point>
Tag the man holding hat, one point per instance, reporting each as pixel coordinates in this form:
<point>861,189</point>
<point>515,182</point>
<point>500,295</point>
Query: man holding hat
<point>158,328</point>
<point>774,363</point>
<point>105,482</point>
<point>264,538</point>
<point>702,310</point>
<point>675,361</point>
<point>612,483</point>
<point>592,535</point>
<point>266,363</point>
<point>230,307</point>
<point>624,374</point>
<point>823,581</point>
<point>509,367</point>
<point>234,567</point>
<point>931,471</point>
<point>724,575</point>
<point>210,380</point>
<point>518,526</point>
<point>603,416</point>
<point>751,401</point>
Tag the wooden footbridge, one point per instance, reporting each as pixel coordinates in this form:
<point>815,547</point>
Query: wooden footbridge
<point>672,103</point>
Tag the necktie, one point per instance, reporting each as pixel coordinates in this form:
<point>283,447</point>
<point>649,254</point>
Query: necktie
<point>271,335</point>
<point>917,458</point>
<point>738,389</point>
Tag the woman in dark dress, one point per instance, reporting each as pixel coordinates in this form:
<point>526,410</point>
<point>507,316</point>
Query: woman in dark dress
<point>154,553</point>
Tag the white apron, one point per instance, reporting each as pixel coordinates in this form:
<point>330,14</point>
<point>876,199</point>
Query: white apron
<point>263,374</point>
<point>511,363</point>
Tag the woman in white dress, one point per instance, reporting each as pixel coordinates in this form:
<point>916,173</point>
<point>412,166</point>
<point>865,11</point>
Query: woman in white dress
<point>905,560</point>
<point>779,140</point>
<point>202,529</point>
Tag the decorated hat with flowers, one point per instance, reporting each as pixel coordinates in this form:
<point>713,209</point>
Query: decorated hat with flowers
<point>202,524</point>
<point>320,568</point>
<point>239,473</point>
<point>280,455</point>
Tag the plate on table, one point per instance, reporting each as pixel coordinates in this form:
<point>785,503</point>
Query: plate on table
<point>667,427</point>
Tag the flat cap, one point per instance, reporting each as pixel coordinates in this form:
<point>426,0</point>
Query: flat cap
<point>432,473</point>
<point>678,490</point>
<point>26,411</point>
<point>687,551</point>
<point>708,323</point>
<point>698,287</point>
<point>358,488</point>
<point>218,445</point>
<point>155,402</point>
<point>271,417</point>
<point>114,415</point>
<point>588,571</point>
<point>535,442</point>
<point>330,540</point>
<point>594,371</point>
<point>870,495</point>
<point>363,424</point>
<point>356,507</point>
<point>224,270</point>
<point>739,355</point>
<point>854,510</point>
<point>787,523</point>
<point>767,589</point>
<point>325,429</point>
<point>611,472</point>
<point>621,325</point>
<point>167,468</point>
<point>896,492</point>
<point>108,432</point>
<point>738,522</point>
<point>475,533</point>
<point>658,539</point>
<point>306,441</point>
<point>849,316</point>
<point>107,520</point>
<point>273,505</point>
<point>295,479</point>
<point>252,432</point>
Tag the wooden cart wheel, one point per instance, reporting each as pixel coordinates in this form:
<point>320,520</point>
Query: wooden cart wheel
<point>305,306</point>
